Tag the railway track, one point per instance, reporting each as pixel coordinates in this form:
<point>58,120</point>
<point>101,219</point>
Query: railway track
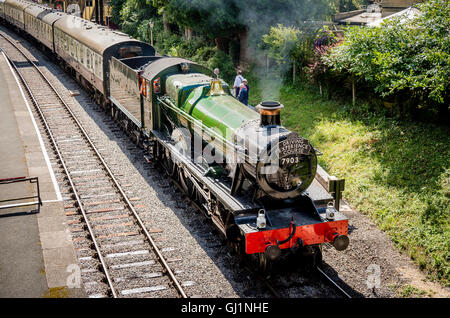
<point>338,288</point>
<point>108,232</point>
<point>281,291</point>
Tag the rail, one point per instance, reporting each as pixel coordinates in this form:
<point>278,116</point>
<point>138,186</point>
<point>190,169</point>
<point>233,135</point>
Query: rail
<point>140,222</point>
<point>329,279</point>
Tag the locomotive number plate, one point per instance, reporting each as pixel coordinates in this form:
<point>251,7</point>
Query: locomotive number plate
<point>289,161</point>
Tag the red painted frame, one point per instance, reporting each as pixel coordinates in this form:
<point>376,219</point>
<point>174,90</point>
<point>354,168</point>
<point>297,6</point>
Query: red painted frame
<point>257,242</point>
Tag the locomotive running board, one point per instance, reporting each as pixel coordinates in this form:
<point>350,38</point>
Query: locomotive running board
<point>234,203</point>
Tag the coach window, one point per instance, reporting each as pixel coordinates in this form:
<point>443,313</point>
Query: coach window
<point>88,59</point>
<point>101,67</point>
<point>82,54</point>
<point>94,63</point>
<point>77,50</point>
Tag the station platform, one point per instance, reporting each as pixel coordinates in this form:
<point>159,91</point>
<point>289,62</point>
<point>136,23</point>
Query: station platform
<point>37,257</point>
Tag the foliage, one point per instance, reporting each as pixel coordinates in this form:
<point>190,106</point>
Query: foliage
<point>282,43</point>
<point>318,71</point>
<point>135,15</point>
<point>397,172</point>
<point>228,18</point>
<point>409,291</point>
<point>116,8</point>
<point>196,50</point>
<point>407,58</point>
<point>210,17</point>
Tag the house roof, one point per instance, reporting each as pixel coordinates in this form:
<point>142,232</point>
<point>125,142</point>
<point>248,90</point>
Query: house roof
<point>406,14</point>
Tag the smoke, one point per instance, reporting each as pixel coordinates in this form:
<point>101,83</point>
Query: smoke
<point>258,17</point>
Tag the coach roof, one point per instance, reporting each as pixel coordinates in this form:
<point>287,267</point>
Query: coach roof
<point>52,16</point>
<point>37,11</point>
<point>97,37</point>
<point>19,4</point>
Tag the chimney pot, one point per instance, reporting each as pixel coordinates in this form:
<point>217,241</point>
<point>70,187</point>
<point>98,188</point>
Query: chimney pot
<point>270,113</point>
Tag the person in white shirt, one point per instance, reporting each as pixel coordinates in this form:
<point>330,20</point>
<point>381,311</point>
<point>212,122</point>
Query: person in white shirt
<point>237,82</point>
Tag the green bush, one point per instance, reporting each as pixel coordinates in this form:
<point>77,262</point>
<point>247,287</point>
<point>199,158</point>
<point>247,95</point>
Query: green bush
<point>288,45</point>
<point>406,61</point>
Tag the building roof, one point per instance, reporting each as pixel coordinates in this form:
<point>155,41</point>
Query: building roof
<point>374,13</point>
<point>406,14</point>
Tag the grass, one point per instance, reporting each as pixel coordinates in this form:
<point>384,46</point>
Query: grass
<point>396,172</point>
<point>409,291</point>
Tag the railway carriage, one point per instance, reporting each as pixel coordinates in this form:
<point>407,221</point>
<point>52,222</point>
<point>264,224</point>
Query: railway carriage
<point>39,22</point>
<point>88,48</point>
<point>2,10</point>
<point>14,12</point>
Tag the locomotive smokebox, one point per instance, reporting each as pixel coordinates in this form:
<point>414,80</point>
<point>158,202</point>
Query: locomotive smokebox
<point>270,113</point>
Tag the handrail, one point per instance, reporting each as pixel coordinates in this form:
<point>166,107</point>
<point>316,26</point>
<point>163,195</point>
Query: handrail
<point>22,179</point>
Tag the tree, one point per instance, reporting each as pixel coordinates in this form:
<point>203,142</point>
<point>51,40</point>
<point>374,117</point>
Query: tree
<point>405,59</point>
<point>116,8</point>
<point>229,23</point>
<point>160,5</point>
<point>216,19</point>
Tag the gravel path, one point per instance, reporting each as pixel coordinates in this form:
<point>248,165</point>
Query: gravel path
<point>373,266</point>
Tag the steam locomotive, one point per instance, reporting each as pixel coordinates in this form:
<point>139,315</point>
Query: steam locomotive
<point>251,176</point>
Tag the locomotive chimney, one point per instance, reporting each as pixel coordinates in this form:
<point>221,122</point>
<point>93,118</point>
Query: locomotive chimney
<point>270,113</point>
